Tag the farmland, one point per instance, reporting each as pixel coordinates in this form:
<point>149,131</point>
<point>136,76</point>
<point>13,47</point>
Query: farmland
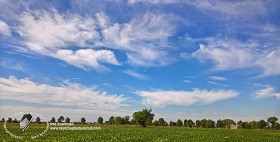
<point>136,133</point>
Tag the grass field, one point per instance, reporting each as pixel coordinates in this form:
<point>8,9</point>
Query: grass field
<point>136,134</point>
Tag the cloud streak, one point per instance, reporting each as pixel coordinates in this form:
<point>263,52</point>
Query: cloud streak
<point>136,75</point>
<point>217,78</point>
<point>228,54</point>
<point>4,29</point>
<point>67,94</point>
<point>185,98</point>
<point>266,92</point>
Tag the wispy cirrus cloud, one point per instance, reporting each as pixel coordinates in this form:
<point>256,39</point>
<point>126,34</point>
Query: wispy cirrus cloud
<point>217,78</point>
<point>228,54</point>
<point>73,38</point>
<point>185,98</point>
<point>4,29</point>
<point>66,94</point>
<point>136,75</point>
<point>266,91</point>
<point>229,8</point>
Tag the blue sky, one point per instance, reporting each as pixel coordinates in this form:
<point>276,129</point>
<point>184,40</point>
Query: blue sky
<point>183,59</point>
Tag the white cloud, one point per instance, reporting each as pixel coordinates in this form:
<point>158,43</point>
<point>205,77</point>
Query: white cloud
<point>231,8</point>
<point>153,1</point>
<point>136,75</point>
<point>217,78</point>
<point>74,114</point>
<point>231,54</point>
<point>67,94</point>
<point>4,29</point>
<point>187,81</point>
<point>185,98</point>
<point>142,39</point>
<point>53,34</point>
<point>267,91</point>
<point>270,63</point>
<point>87,57</point>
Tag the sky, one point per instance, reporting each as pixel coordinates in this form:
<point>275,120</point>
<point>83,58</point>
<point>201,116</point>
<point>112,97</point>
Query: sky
<point>182,59</point>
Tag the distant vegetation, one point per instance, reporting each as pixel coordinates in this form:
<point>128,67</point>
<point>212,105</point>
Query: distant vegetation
<point>145,118</point>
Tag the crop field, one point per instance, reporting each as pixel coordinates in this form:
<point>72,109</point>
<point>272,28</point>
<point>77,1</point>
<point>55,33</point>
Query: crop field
<point>136,133</point>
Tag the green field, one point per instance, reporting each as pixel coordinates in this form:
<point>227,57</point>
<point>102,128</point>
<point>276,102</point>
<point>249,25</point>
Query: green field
<point>135,134</point>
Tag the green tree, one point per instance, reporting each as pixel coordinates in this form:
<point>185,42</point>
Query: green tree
<point>219,124</point>
<point>241,125</point>
<point>179,123</point>
<point>263,124</point>
<point>210,123</point>
<point>126,120</point>
<point>155,123</point>
<point>277,126</point>
<point>9,120</point>
<point>60,119</point>
<point>133,122</point>
<point>190,123</point>
<point>255,125</point>
<point>3,119</point>
<point>83,120</point>
<point>203,123</point>
<point>28,116</point>
<point>161,122</point>
<point>143,117</point>
<point>227,122</point>
<point>67,120</point>
<point>119,120</point>
<point>272,121</point>
<point>185,123</point>
<point>52,120</point>
<point>100,120</point>
<point>38,120</point>
<point>198,123</point>
<point>112,120</point>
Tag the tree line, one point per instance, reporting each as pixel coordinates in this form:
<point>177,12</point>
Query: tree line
<point>145,118</point>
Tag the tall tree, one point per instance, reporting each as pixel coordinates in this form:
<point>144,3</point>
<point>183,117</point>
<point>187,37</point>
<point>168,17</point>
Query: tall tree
<point>241,125</point>
<point>272,121</point>
<point>227,122</point>
<point>155,123</point>
<point>161,122</point>
<point>38,120</point>
<point>67,120</point>
<point>198,123</point>
<point>126,120</point>
<point>9,120</point>
<point>112,120</point>
<point>119,120</point>
<point>143,117</point>
<point>255,125</point>
<point>263,124</point>
<point>83,120</point>
<point>203,123</point>
<point>100,120</point>
<point>185,123</point>
<point>219,123</point>
<point>52,120</point>
<point>210,123</point>
<point>60,119</point>
<point>3,119</point>
<point>190,123</point>
<point>179,123</point>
